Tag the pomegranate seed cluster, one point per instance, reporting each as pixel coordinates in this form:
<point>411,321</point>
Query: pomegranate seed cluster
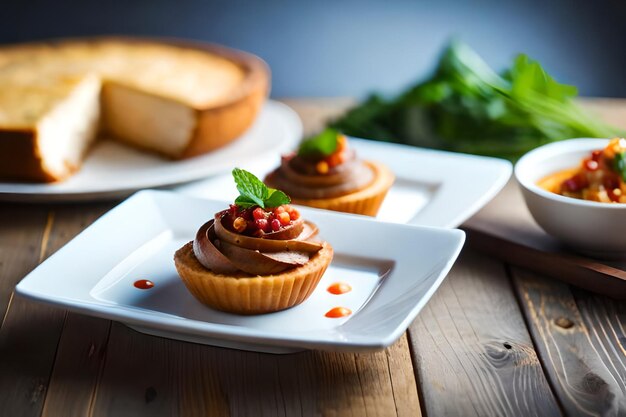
<point>255,221</point>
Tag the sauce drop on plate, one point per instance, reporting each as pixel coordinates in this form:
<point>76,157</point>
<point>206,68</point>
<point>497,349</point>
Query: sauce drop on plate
<point>337,312</point>
<point>339,288</point>
<point>143,284</point>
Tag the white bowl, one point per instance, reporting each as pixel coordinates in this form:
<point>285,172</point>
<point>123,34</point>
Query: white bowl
<point>593,228</point>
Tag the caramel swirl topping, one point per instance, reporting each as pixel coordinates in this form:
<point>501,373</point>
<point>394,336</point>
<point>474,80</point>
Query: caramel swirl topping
<point>222,250</point>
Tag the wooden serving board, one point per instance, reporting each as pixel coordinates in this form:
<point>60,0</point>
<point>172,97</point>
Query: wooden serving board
<point>505,228</point>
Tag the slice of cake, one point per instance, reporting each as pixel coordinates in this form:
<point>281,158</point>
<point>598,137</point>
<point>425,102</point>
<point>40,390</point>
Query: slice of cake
<point>47,127</point>
<point>175,99</point>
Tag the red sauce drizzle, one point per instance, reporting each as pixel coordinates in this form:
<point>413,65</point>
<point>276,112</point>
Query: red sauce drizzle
<point>337,312</point>
<point>339,288</point>
<point>143,284</point>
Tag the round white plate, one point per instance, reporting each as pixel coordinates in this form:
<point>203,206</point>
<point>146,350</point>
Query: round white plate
<point>113,170</point>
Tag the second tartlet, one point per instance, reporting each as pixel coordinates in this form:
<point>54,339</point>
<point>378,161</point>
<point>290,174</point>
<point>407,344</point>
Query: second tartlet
<point>326,173</point>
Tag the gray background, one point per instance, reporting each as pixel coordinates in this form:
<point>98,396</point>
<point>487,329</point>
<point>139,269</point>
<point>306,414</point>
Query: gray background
<point>349,48</point>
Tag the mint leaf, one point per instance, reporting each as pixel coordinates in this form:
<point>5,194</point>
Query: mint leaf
<point>620,164</point>
<point>245,202</point>
<point>320,145</point>
<point>250,187</point>
<point>252,192</point>
<point>276,198</point>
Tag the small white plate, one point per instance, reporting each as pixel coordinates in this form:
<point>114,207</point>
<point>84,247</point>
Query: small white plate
<point>432,188</point>
<point>393,269</point>
<point>113,170</point>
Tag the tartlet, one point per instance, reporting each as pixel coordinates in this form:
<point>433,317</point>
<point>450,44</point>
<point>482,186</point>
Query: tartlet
<point>325,173</point>
<point>257,256</point>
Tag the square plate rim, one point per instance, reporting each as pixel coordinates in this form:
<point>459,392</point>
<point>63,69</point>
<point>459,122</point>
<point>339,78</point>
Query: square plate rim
<point>494,173</point>
<point>500,169</point>
<point>132,316</point>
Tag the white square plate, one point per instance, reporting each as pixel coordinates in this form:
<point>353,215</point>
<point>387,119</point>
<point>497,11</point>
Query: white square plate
<point>432,188</point>
<point>393,269</point>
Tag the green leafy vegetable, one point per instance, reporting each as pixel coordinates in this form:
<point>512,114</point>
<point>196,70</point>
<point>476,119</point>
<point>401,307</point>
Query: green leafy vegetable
<point>252,191</point>
<point>320,145</point>
<point>468,107</point>
<point>620,164</point>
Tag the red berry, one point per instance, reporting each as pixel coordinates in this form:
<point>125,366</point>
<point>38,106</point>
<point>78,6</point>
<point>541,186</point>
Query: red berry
<point>276,225</point>
<point>233,209</point>
<point>258,213</point>
<point>591,165</point>
<point>294,214</point>
<point>570,185</point>
<point>279,209</point>
<point>284,218</point>
<point>334,159</point>
<point>262,224</point>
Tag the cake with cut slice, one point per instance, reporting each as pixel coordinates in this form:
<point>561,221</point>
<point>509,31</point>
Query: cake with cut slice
<point>173,98</point>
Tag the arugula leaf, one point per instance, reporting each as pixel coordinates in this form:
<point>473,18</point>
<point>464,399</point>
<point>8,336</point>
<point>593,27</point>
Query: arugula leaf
<point>467,107</point>
<point>252,191</point>
<point>320,145</point>
<point>527,75</point>
<point>620,164</point>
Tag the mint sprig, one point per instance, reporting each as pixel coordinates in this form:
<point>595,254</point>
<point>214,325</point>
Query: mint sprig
<point>320,145</point>
<point>252,191</point>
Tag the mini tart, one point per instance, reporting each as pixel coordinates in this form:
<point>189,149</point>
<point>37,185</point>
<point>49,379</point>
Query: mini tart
<point>365,201</point>
<point>241,293</point>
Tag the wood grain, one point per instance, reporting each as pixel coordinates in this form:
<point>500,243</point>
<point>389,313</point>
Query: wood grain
<point>471,348</point>
<point>177,378</point>
<point>22,386</point>
<point>506,229</point>
<point>78,364</point>
<point>20,246</point>
<point>31,331</point>
<point>472,352</point>
<point>581,342</point>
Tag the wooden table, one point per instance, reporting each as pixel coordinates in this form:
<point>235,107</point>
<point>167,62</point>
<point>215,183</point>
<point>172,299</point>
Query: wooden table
<point>494,340</point>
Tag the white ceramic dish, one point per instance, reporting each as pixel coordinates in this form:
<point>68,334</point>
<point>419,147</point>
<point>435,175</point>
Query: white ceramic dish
<point>593,228</point>
<point>394,269</point>
<point>113,171</point>
<point>432,188</point>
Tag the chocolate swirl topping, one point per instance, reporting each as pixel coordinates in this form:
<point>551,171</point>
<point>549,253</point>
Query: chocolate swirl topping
<point>224,251</point>
<point>299,177</point>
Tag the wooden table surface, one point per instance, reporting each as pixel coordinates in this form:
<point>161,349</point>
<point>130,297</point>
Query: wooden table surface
<point>494,340</point>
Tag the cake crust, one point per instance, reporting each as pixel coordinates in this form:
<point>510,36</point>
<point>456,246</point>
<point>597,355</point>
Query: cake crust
<point>20,158</point>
